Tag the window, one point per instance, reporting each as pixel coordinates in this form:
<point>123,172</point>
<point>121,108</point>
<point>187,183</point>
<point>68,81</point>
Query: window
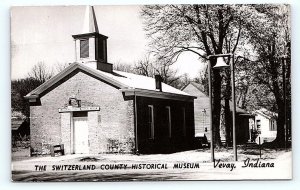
<point>151,121</point>
<point>183,122</point>
<point>258,126</point>
<point>272,125</point>
<point>168,108</point>
<point>84,48</point>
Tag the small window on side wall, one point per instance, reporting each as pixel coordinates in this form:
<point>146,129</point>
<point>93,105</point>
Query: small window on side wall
<point>272,125</point>
<point>258,126</point>
<point>168,109</point>
<point>151,121</point>
<point>183,121</point>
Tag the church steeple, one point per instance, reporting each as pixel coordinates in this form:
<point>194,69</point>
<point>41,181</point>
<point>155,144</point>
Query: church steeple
<point>90,22</point>
<point>91,46</point>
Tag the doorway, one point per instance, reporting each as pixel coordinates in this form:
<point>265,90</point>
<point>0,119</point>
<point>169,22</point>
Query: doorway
<point>81,133</point>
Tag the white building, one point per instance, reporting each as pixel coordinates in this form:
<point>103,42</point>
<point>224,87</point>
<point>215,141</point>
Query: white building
<point>266,125</point>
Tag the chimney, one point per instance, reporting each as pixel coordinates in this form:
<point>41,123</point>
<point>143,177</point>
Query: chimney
<point>158,81</point>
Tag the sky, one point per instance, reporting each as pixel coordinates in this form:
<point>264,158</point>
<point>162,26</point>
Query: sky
<point>44,34</point>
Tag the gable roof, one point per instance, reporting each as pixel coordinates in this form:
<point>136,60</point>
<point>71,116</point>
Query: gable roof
<point>196,85</point>
<point>266,113</point>
<point>200,88</point>
<point>122,80</point>
<point>142,82</point>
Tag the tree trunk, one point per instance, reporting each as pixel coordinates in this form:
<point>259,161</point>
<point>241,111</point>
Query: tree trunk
<point>228,123</point>
<point>228,113</point>
<point>279,142</point>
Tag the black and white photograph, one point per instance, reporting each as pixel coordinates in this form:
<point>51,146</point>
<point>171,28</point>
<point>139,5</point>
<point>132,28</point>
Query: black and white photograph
<point>158,92</point>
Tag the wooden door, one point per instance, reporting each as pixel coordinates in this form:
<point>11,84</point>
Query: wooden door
<point>81,135</point>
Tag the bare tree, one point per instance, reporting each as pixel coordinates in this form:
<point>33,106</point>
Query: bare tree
<point>145,67</point>
<point>182,81</point>
<point>148,67</point>
<point>202,79</point>
<point>202,29</point>
<point>123,67</point>
<point>60,67</point>
<point>40,72</point>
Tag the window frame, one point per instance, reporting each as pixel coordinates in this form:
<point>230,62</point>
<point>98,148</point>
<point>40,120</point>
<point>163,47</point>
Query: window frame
<point>272,125</point>
<point>169,120</point>
<point>258,125</point>
<point>151,122</point>
<point>83,54</point>
<point>184,121</point>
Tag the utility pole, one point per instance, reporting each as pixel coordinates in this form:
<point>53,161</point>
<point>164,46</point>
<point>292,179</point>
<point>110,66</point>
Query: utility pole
<point>211,113</point>
<point>233,109</point>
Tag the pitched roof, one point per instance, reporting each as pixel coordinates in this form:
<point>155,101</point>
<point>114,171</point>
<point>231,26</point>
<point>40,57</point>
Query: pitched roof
<point>122,80</point>
<point>142,82</point>
<point>266,113</point>
<point>198,86</point>
<point>201,89</point>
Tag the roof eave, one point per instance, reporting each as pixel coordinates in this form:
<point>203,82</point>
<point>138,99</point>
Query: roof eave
<point>92,34</point>
<point>157,94</point>
<point>264,115</point>
<point>246,114</point>
<point>40,89</point>
<point>33,96</point>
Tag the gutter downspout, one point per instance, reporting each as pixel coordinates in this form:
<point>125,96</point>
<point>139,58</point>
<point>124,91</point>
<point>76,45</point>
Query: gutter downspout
<point>136,132</point>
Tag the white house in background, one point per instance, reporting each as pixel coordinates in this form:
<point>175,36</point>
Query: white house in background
<point>266,125</point>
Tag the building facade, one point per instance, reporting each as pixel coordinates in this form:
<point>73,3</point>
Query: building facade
<point>90,108</point>
<point>202,115</point>
<point>201,108</point>
<point>265,125</point>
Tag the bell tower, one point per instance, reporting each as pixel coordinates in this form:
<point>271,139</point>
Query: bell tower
<point>91,46</point>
